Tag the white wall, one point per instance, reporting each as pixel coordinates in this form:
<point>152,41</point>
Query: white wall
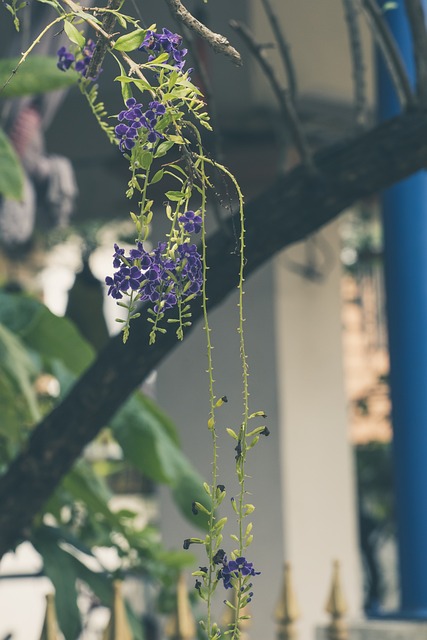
<point>317,35</point>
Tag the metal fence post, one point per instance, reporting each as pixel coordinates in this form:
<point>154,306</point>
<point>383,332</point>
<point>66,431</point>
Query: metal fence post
<point>181,625</point>
<point>50,629</point>
<point>336,606</point>
<point>287,610</point>
<point>118,627</point>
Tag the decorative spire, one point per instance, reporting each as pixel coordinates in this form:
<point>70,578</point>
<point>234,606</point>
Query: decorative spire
<point>50,630</point>
<point>118,627</point>
<point>181,625</point>
<point>287,610</point>
<point>336,606</point>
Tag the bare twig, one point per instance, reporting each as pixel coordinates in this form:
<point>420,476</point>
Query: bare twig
<point>284,49</point>
<point>287,108</point>
<point>218,42</point>
<point>360,101</point>
<point>390,52</point>
<point>416,19</point>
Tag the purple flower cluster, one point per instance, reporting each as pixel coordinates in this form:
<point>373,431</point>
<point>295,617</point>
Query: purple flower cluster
<point>165,42</point>
<point>127,132</point>
<point>236,568</point>
<point>157,276</point>
<point>192,222</point>
<point>66,59</point>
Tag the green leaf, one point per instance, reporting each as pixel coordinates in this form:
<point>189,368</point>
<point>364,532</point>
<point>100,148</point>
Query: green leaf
<point>11,174</point>
<point>159,60</point>
<point>147,445</point>
<point>74,34</point>
<point>163,148</point>
<point>146,159</point>
<point>130,41</point>
<point>157,176</point>
<point>175,196</point>
<point>52,337</point>
<point>38,74</point>
<point>17,367</point>
<point>59,566</point>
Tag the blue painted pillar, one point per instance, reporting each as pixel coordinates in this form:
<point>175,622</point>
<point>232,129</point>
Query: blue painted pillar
<point>405,255</point>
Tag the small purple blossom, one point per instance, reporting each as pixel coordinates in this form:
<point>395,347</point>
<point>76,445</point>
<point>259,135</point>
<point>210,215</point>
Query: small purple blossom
<point>125,136</point>
<point>81,64</point>
<point>65,59</point>
<point>192,222</point>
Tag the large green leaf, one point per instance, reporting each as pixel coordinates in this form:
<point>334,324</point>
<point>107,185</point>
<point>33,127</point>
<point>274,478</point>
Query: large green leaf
<point>11,173</point>
<point>59,566</point>
<point>63,562</point>
<point>51,336</point>
<point>146,443</point>
<point>38,74</point>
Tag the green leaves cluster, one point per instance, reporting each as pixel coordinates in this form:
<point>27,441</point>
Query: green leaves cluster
<point>35,345</point>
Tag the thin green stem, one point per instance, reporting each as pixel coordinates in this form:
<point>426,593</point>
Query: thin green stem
<point>36,42</point>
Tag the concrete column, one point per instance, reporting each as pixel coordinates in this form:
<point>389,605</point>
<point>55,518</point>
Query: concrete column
<point>319,508</point>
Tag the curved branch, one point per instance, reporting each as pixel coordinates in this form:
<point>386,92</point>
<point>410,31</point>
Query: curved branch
<point>391,53</point>
<point>357,61</point>
<point>284,49</point>
<point>287,108</point>
<point>218,42</point>
<point>293,207</point>
<point>417,21</point>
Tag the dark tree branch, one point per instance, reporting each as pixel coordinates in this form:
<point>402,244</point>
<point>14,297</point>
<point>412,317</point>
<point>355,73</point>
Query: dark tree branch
<point>218,42</point>
<point>293,207</point>
<point>390,52</point>
<point>290,116</point>
<point>102,44</point>
<point>284,49</point>
<point>417,19</point>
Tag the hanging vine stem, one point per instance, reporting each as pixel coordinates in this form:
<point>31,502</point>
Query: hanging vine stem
<point>242,510</point>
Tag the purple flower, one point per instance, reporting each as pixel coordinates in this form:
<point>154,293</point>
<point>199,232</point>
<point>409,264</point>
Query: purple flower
<point>235,568</point>
<point>192,222</point>
<point>134,118</point>
<point>65,59</point>
<point>118,256</point>
<point>126,137</point>
<point>165,42</point>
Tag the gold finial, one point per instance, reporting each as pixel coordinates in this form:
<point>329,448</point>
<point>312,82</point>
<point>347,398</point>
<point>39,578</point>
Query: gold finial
<point>181,625</point>
<point>336,606</point>
<point>228,617</point>
<point>50,630</point>
<point>118,627</point>
<point>287,610</point>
